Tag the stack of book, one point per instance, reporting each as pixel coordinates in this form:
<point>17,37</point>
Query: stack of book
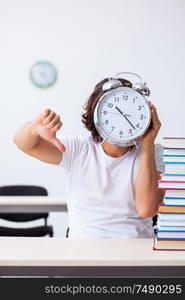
<point>170,228</point>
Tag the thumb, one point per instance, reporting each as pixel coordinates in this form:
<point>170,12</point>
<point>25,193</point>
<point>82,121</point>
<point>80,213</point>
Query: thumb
<point>58,144</point>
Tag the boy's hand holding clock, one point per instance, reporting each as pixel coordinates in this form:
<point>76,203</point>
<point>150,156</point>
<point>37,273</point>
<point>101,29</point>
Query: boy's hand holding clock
<point>150,135</point>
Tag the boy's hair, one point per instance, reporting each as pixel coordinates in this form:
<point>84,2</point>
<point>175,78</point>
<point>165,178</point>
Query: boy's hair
<point>89,107</point>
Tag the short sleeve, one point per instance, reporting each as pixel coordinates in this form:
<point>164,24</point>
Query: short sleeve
<point>159,158</point>
<point>74,145</point>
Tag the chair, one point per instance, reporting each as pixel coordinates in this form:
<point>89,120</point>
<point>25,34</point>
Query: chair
<point>25,190</point>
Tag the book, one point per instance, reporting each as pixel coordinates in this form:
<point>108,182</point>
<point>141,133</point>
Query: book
<point>166,184</point>
<point>174,168</point>
<point>174,202</point>
<point>174,159</point>
<point>171,209</point>
<point>169,244</point>
<point>170,228</point>
<point>170,234</point>
<point>174,142</point>
<point>175,193</point>
<point>171,216</point>
<point>170,222</point>
<point>173,152</point>
<point>172,178</point>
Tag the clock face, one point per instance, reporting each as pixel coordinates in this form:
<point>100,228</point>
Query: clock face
<point>43,74</point>
<point>122,115</point>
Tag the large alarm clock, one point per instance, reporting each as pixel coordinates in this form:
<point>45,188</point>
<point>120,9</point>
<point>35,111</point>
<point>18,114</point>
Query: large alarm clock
<point>122,115</point>
<point>43,74</point>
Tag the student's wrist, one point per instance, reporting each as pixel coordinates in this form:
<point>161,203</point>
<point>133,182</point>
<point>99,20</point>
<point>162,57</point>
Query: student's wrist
<point>147,146</point>
<point>33,130</point>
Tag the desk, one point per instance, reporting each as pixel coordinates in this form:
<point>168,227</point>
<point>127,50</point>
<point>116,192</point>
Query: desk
<point>31,204</point>
<point>93,258</point>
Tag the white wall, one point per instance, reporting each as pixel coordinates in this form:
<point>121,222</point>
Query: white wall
<point>87,41</point>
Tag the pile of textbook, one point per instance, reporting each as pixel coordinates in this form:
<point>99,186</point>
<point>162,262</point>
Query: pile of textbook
<point>170,228</point>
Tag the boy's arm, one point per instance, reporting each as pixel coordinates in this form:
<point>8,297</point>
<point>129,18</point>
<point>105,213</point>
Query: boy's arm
<point>148,196</point>
<point>38,138</point>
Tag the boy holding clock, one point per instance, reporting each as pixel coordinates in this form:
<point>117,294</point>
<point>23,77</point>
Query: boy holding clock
<point>112,190</point>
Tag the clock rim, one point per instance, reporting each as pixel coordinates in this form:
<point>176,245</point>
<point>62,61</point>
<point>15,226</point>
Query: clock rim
<point>47,63</point>
<point>101,132</point>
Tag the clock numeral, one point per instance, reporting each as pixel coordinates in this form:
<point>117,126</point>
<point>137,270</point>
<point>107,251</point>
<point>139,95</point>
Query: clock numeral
<point>106,122</point>
<point>110,105</point>
<point>130,131</point>
<point>141,117</point>
<point>134,100</point>
<point>104,112</point>
<point>121,132</point>
<point>113,128</point>
<point>125,97</point>
<point>139,107</point>
<point>116,99</point>
<point>137,125</point>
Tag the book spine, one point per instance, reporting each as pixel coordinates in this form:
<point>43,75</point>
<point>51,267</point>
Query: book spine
<point>175,181</point>
<point>174,162</point>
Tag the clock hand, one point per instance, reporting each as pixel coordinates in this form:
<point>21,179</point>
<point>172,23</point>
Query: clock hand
<point>110,112</point>
<point>124,116</point>
<point>129,122</point>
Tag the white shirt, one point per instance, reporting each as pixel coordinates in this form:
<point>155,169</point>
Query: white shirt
<point>101,191</point>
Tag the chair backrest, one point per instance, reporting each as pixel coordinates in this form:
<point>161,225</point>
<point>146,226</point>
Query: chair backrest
<point>22,190</point>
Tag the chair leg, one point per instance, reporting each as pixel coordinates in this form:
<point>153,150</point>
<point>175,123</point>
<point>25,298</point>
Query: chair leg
<point>67,233</point>
<point>51,233</point>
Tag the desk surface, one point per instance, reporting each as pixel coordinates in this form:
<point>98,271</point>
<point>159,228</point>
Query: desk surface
<point>91,258</point>
<point>19,204</point>
<point>74,252</point>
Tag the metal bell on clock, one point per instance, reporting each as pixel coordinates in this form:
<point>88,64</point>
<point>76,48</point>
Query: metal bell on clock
<point>111,84</point>
<point>141,88</point>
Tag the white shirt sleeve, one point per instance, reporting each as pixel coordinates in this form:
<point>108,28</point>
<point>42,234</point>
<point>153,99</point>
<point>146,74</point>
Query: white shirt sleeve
<point>159,158</point>
<point>74,145</point>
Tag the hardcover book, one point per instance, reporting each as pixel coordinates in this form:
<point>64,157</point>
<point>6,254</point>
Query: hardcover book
<point>174,142</point>
<point>171,208</point>
<point>169,244</point>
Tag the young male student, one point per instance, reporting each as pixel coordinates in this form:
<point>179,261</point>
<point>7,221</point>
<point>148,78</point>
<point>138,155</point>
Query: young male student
<point>111,191</point>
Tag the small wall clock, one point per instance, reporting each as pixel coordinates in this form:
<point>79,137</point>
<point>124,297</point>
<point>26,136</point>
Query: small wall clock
<point>43,74</point>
